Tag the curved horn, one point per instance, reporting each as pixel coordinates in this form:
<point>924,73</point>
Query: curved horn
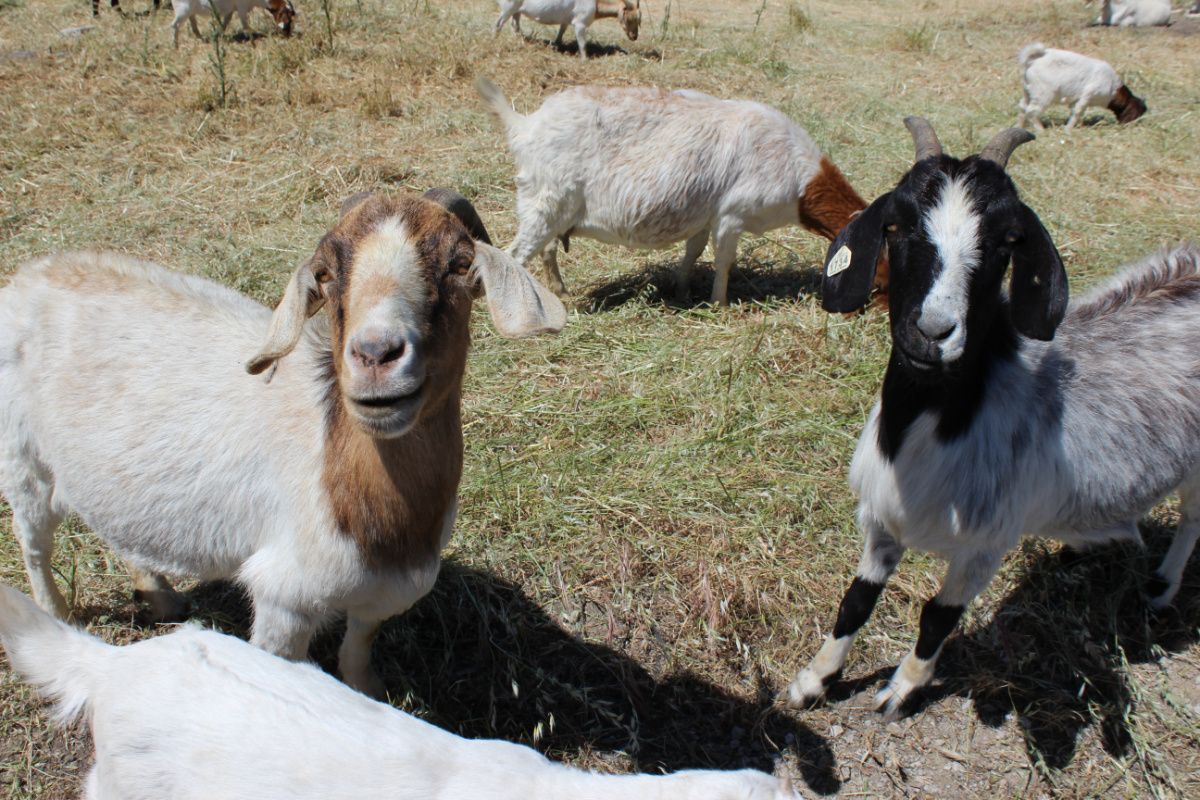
<point>1002,145</point>
<point>460,207</point>
<point>924,138</point>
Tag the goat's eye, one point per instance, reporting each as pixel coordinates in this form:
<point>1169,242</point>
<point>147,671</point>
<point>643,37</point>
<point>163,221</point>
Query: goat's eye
<point>893,228</point>
<point>1012,237</point>
<point>322,275</point>
<point>460,266</point>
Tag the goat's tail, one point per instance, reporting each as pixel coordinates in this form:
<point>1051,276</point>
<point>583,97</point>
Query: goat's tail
<point>494,99</point>
<point>50,654</point>
<point>1029,52</point>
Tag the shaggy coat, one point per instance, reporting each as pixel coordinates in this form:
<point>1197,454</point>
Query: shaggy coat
<point>645,168</point>
<point>196,715</point>
<point>578,13</point>
<point>1013,415</point>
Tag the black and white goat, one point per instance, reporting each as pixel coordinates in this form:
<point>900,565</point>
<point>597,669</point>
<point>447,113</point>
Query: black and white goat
<point>1004,416</point>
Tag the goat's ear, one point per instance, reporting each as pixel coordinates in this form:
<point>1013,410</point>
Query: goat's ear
<point>302,299</point>
<point>519,305</point>
<point>851,260</point>
<point>1038,290</point>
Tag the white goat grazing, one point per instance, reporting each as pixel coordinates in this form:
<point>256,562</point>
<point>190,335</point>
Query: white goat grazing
<point>1139,13</point>
<point>646,168</point>
<point>281,10</point>
<point>580,13</point>
<point>1054,76</point>
<point>330,487</point>
<point>195,715</point>
<point>1005,415</point>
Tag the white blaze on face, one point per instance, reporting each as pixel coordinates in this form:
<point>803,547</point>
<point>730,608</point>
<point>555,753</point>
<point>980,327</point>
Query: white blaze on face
<point>387,291</point>
<point>953,228</point>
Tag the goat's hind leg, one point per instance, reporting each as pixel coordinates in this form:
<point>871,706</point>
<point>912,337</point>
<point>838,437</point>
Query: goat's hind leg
<point>34,522</point>
<point>1164,585</point>
<point>354,656</point>
<point>683,273</point>
<point>880,556</point>
<point>968,574</point>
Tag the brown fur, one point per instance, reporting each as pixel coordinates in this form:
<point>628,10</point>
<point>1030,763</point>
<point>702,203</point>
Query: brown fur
<point>829,202</point>
<point>1126,106</point>
<point>390,496</point>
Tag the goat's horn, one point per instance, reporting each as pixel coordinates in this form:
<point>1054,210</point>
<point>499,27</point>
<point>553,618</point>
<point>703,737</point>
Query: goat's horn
<point>1002,145</point>
<point>460,207</point>
<point>923,137</point>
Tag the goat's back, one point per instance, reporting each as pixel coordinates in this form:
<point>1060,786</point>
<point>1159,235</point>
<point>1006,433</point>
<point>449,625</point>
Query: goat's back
<point>118,379</point>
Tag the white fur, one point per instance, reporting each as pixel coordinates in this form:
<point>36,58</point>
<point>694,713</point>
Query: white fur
<point>1051,76</point>
<point>123,396</point>
<point>1139,13</point>
<point>645,168</point>
<point>196,715</point>
<point>953,228</point>
<point>188,10</point>
<point>578,13</point>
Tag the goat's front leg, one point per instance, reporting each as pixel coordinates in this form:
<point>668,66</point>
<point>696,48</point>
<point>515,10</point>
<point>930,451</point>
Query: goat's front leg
<point>354,656</point>
<point>1078,110</point>
<point>561,30</point>
<point>554,281</point>
<point>969,572</point>
<point>509,11</point>
<point>880,556</point>
<point>1167,579</point>
<point>725,242</point>
<point>581,38</point>
<point>243,17</point>
<point>283,629</point>
<point>195,28</point>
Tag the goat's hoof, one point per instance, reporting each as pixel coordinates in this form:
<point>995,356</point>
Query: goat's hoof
<point>892,699</point>
<point>370,685</point>
<point>807,691</point>
<point>165,605</point>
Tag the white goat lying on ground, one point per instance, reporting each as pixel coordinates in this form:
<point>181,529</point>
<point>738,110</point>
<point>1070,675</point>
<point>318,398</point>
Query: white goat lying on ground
<point>196,715</point>
<point>331,487</point>
<point>1139,13</point>
<point>580,13</point>
<point>281,10</point>
<point>1054,76</point>
<point>645,168</point>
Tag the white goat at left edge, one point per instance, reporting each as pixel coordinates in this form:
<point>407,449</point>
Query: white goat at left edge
<point>331,487</point>
<point>197,715</point>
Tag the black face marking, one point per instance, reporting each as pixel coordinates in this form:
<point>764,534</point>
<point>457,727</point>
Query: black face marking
<point>937,622</point>
<point>856,607</point>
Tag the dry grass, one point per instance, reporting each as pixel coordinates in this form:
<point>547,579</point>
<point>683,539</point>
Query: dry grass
<point>655,526</point>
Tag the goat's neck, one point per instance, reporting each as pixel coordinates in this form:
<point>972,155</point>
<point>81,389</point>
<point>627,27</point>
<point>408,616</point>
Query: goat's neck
<point>828,201</point>
<point>391,496</point>
<point>955,398</point>
<point>609,9</point>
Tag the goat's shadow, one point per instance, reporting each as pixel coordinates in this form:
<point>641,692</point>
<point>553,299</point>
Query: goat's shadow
<point>1057,651</point>
<point>654,284</point>
<point>480,658</point>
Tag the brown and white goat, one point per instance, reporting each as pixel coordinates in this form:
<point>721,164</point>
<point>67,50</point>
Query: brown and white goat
<point>282,11</point>
<point>579,13</point>
<point>330,486</point>
<point>645,168</point>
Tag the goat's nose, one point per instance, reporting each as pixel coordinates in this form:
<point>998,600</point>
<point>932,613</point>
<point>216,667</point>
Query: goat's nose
<point>936,327</point>
<point>376,350</point>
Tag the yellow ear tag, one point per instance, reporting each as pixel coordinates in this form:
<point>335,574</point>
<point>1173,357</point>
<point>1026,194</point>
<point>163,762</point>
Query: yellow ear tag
<point>839,263</point>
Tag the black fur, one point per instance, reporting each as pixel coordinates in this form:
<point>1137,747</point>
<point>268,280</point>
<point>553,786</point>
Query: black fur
<point>937,622</point>
<point>857,605</point>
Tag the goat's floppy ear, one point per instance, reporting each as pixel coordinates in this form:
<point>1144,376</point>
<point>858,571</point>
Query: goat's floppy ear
<point>1038,290</point>
<point>302,299</point>
<point>851,260</point>
<point>519,305</point>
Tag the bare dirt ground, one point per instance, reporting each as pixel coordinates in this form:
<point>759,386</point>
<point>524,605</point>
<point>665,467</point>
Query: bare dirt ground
<point>654,526</point>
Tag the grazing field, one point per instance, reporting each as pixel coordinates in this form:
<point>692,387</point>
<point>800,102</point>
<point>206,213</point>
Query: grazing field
<point>654,525</point>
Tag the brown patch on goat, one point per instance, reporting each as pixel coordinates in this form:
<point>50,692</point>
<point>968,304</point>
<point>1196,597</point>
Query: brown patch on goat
<point>829,202</point>
<point>1126,106</point>
<point>390,496</point>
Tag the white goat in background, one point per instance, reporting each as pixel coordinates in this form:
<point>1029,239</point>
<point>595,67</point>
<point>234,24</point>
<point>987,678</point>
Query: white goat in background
<point>580,13</point>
